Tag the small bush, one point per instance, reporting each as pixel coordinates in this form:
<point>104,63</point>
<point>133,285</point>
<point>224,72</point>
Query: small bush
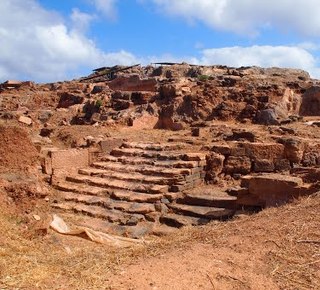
<point>98,104</point>
<point>203,78</point>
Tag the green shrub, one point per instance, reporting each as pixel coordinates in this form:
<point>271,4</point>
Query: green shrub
<point>98,104</point>
<point>203,78</point>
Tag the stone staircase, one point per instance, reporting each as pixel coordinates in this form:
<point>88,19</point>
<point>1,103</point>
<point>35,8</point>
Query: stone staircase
<point>140,188</point>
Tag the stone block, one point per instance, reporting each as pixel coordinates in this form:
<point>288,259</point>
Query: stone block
<point>214,166</point>
<point>237,164</point>
<point>259,151</point>
<point>221,149</point>
<point>282,165</point>
<point>238,151</point>
<point>69,160</point>
<point>274,189</point>
<point>263,165</point>
<point>293,149</point>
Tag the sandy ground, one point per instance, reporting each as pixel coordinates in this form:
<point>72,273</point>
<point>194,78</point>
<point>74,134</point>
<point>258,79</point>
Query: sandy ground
<point>276,249</point>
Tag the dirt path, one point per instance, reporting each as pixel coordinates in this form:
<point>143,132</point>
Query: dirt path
<point>199,267</point>
<point>265,251</point>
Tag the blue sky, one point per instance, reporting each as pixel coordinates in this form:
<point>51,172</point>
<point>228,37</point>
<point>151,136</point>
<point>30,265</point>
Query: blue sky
<point>46,40</point>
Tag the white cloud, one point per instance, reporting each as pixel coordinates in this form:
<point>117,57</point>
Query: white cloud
<point>249,16</point>
<point>106,7</point>
<point>80,21</point>
<point>264,56</point>
<point>36,44</point>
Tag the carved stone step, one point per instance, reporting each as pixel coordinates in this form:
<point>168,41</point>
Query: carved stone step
<point>154,146</point>
<point>202,211</point>
<point>135,196</point>
<point>134,231</point>
<point>81,188</point>
<point>126,195</point>
<point>213,199</point>
<point>146,170</point>
<point>135,177</point>
<point>113,216</point>
<point>158,163</point>
<point>159,155</point>
<point>178,221</point>
<point>118,184</point>
<point>129,207</point>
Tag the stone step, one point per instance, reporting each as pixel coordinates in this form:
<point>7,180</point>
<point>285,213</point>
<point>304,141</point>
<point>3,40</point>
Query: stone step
<point>126,195</point>
<point>135,177</point>
<point>131,196</point>
<point>146,170</point>
<point>154,146</point>
<point>81,188</point>
<point>237,191</point>
<point>113,216</point>
<point>159,155</point>
<point>129,207</point>
<point>118,184</point>
<point>161,230</point>
<point>201,211</point>
<point>134,231</point>
<point>158,163</point>
<point>212,199</point>
<point>178,221</point>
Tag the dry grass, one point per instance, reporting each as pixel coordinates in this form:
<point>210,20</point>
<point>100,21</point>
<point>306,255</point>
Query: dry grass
<point>285,239</point>
<point>61,262</point>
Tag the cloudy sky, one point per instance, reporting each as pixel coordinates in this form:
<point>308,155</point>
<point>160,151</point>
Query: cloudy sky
<point>46,40</point>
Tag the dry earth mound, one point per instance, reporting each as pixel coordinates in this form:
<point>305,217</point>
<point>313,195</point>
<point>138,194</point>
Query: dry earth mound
<point>17,152</point>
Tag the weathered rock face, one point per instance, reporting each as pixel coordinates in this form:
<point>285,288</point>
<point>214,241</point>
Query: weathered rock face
<point>310,104</point>
<point>133,83</point>
<point>68,99</point>
<point>196,93</point>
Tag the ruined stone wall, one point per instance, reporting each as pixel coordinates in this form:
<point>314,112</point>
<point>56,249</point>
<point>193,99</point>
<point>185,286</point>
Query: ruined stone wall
<point>241,158</point>
<point>69,160</point>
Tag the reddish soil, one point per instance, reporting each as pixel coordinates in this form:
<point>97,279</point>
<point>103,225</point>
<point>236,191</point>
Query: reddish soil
<point>276,249</point>
<point>17,152</point>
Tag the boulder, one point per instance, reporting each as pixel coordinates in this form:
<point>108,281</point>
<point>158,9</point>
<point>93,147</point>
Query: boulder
<point>293,149</point>
<point>266,117</point>
<point>241,135</point>
<point>68,99</point>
